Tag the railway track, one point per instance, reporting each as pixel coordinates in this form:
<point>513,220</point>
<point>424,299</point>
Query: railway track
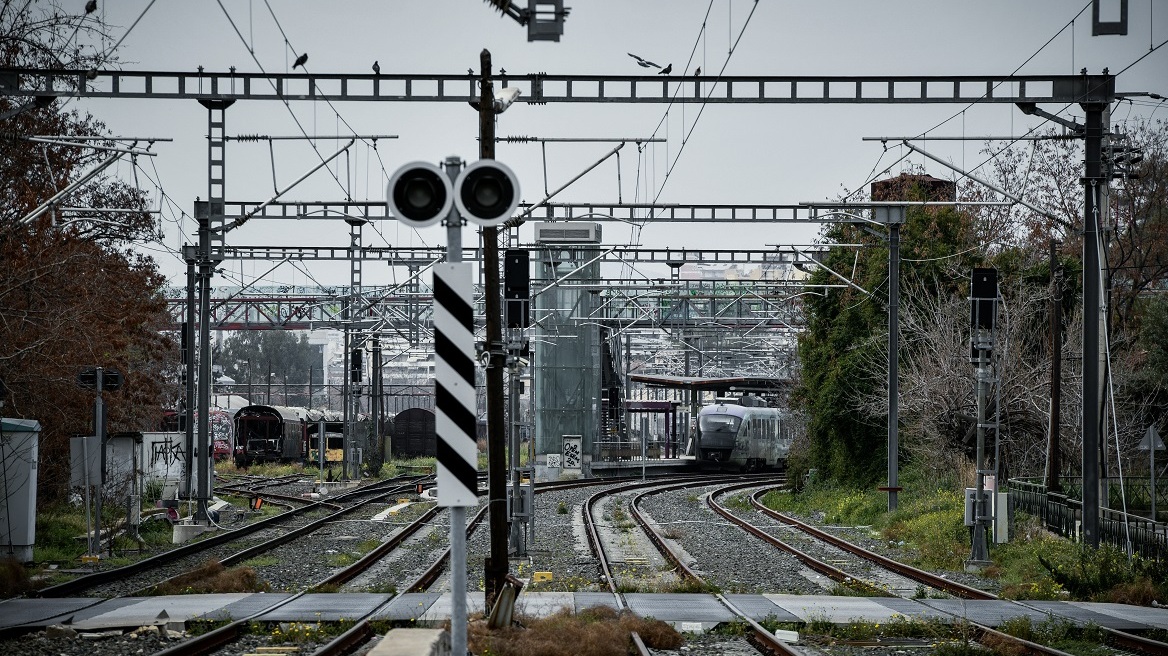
<point>140,578</point>
<point>853,579</point>
<point>594,516</point>
<point>1115,638</point>
<point>761,638</point>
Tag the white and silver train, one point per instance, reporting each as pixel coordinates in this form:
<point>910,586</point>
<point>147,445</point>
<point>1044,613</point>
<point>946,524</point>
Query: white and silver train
<point>747,437</point>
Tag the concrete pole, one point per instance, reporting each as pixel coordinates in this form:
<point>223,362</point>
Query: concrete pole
<point>893,351</point>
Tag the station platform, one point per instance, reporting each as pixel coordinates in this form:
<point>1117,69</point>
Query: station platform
<point>633,467</point>
<point>686,612</point>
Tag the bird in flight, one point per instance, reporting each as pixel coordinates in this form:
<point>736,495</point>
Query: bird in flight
<point>666,71</point>
<point>643,63</point>
<point>300,60</point>
<point>376,68</point>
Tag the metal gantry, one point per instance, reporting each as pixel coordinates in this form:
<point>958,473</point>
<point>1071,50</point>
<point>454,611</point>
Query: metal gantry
<point>544,88</point>
<point>217,90</point>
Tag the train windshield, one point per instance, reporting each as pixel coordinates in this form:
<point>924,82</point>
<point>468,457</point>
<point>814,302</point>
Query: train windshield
<point>719,423</point>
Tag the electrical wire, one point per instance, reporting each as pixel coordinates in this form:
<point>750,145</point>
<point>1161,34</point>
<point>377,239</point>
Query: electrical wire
<point>701,110</point>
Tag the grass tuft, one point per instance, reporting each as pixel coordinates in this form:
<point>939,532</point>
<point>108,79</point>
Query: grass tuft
<point>597,631</point>
<point>213,577</point>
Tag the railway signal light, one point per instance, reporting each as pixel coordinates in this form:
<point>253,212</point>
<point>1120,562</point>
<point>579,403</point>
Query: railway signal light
<point>421,194</point>
<point>487,192</point>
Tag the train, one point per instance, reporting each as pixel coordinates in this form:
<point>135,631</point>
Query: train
<point>285,434</point>
<point>221,426</point>
<point>742,434</point>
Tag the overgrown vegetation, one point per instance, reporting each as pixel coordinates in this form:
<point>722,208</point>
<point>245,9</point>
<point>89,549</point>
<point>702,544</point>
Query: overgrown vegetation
<point>213,577</point>
<point>57,528</point>
<point>14,579</point>
<point>407,467</point>
<point>597,631</point>
<point>1106,574</point>
<point>928,527</point>
<point>300,632</point>
<point>1052,632</point>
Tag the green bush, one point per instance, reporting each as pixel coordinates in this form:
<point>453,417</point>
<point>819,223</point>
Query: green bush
<point>1095,574</point>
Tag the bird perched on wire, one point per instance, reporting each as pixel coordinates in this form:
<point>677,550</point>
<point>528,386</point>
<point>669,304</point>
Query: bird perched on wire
<point>300,60</point>
<point>642,62</point>
<point>697,71</point>
<point>91,6</point>
<point>376,68</point>
<point>666,71</point>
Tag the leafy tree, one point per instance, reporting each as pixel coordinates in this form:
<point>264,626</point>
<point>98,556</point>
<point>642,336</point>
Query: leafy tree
<point>847,332</point>
<point>262,360</point>
<point>72,294</point>
<point>1047,173</point>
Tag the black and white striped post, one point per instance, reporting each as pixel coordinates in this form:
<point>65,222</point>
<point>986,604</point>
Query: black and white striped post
<point>421,194</point>
<point>454,386</point>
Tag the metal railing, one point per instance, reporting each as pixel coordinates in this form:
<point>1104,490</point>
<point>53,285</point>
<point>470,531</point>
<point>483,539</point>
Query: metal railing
<point>1062,512</point>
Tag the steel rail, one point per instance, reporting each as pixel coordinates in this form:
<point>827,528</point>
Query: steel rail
<point>658,540</point>
<point>359,634</point>
<point>1119,638</point>
<point>828,570</point>
<point>761,638</point>
<point>280,540</point>
<point>597,547</point>
<point>224,635</point>
<point>431,574</point>
<point>919,575</point>
<point>69,588</point>
<point>365,562</point>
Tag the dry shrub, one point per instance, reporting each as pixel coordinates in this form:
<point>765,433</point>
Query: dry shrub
<point>14,580</point>
<point>1002,646</point>
<point>597,631</point>
<point>1141,592</point>
<point>213,577</point>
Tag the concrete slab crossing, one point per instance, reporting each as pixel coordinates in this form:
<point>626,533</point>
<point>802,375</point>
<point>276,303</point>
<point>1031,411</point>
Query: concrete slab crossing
<point>688,611</point>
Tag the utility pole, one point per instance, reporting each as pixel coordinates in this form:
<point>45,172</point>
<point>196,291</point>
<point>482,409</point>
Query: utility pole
<point>983,314</point>
<point>1053,460</point>
<point>1093,179</point>
<point>894,216</point>
<point>496,565</point>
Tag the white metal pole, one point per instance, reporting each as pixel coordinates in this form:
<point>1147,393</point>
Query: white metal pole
<point>453,166</point>
<point>458,580</point>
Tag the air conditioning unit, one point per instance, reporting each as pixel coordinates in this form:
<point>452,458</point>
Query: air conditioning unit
<point>567,233</point>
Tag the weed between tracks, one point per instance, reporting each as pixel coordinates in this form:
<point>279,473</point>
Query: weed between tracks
<point>300,632</point>
<point>598,631</point>
<point>213,577</point>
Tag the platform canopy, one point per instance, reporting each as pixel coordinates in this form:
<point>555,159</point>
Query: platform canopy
<point>730,384</point>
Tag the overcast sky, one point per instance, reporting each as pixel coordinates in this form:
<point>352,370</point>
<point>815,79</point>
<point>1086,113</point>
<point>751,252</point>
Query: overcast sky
<point>734,154</point>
